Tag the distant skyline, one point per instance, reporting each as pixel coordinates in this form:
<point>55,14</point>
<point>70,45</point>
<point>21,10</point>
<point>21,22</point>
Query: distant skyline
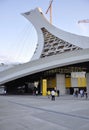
<point>18,37</point>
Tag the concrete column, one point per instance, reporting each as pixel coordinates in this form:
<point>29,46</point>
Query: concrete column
<point>87,80</point>
<point>60,83</point>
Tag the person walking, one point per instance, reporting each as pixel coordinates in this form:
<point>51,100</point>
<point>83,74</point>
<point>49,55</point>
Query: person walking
<point>82,93</point>
<point>48,93</point>
<point>86,94</point>
<point>53,94</point>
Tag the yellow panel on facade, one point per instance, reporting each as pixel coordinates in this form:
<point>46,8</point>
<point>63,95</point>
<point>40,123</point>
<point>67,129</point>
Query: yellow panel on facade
<point>68,82</point>
<point>81,82</point>
<point>44,87</point>
<point>51,82</point>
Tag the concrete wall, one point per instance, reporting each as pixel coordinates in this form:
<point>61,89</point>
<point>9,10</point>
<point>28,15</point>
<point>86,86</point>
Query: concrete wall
<point>87,79</point>
<point>74,82</point>
<point>60,83</point>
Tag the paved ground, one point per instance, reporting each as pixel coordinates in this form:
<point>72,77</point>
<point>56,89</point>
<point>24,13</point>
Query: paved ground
<point>40,113</point>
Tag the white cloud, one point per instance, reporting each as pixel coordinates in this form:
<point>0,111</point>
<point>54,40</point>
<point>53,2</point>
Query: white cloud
<point>7,60</point>
<point>84,28</point>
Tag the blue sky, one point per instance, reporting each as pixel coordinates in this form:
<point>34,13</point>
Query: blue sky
<point>17,35</point>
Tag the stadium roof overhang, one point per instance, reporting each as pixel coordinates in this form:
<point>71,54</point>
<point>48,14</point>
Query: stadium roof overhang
<point>43,64</point>
<point>76,55</point>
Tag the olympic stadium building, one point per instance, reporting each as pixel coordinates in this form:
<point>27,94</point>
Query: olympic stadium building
<point>60,62</point>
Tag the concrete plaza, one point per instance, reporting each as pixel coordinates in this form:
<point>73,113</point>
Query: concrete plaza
<point>40,113</point>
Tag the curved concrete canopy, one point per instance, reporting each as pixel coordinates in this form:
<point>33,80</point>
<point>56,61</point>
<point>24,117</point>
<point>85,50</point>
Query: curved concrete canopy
<point>46,63</point>
<point>41,64</point>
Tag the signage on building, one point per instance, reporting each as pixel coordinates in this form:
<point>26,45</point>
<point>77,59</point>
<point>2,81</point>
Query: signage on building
<point>78,74</point>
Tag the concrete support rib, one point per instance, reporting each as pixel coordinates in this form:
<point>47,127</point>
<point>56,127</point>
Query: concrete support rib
<point>37,18</point>
<point>34,17</point>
